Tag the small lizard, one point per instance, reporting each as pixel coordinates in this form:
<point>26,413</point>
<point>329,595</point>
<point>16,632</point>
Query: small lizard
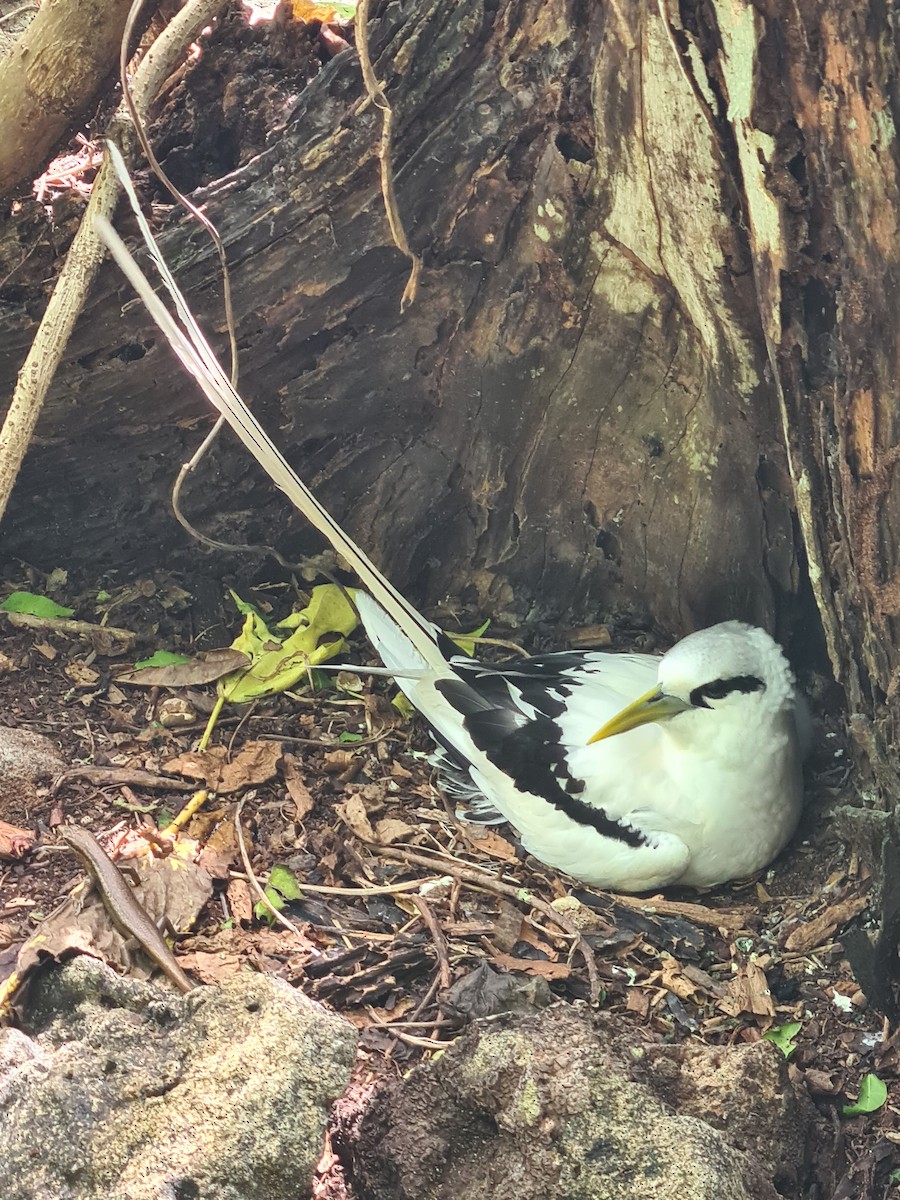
<point>128,915</point>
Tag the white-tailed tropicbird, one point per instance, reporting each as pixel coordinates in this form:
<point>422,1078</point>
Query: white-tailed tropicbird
<point>697,781</point>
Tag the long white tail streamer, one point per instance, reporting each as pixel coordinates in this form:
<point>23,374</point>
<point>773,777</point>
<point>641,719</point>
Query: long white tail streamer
<point>196,355</point>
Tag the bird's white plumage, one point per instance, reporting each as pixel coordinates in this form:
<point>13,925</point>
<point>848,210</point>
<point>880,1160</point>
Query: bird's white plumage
<point>715,791</point>
<point>697,782</point>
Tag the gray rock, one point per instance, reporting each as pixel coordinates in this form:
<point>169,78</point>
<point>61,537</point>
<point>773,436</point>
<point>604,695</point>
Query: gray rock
<point>127,1092</point>
<point>569,1105</point>
<point>25,759</point>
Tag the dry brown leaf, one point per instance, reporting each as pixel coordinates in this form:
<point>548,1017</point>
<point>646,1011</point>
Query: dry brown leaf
<point>820,929</point>
<point>205,667</point>
<point>639,1000</point>
<point>673,978</point>
<point>822,1083</point>
<point>205,765</point>
<point>748,992</point>
<point>336,761</point>
<point>390,830</point>
<point>533,966</point>
<point>15,842</point>
<point>296,788</point>
<point>240,901</point>
<point>255,763</point>
<point>381,714</point>
<point>352,812</point>
<point>489,842</point>
<point>507,926</point>
<point>80,674</point>
<point>212,967</point>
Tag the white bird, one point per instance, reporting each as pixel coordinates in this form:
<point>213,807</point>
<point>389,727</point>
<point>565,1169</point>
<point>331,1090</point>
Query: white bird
<point>697,781</point>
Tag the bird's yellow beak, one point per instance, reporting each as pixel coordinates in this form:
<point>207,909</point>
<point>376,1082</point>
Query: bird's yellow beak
<point>654,706</point>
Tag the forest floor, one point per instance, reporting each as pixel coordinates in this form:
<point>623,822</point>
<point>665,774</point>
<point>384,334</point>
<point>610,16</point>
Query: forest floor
<point>336,791</point>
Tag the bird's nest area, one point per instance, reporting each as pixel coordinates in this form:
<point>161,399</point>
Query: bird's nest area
<point>337,790</point>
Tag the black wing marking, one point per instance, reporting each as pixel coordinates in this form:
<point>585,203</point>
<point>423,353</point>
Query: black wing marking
<point>531,754</point>
<point>542,683</point>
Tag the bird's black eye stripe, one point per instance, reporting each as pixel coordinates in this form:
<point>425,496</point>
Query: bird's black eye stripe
<point>720,688</point>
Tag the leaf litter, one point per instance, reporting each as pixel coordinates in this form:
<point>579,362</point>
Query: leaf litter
<point>325,811</point>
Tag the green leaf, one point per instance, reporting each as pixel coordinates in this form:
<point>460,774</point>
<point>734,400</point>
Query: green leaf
<point>34,606</point>
<point>164,817</point>
<point>162,658</point>
<point>783,1037</point>
<point>403,706</point>
<point>245,607</point>
<point>872,1094</point>
<point>102,597</point>
<point>465,640</point>
<point>262,912</point>
<point>346,737</point>
<point>285,883</point>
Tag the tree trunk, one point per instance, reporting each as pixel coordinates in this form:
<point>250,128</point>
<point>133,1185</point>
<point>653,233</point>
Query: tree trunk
<point>651,361</point>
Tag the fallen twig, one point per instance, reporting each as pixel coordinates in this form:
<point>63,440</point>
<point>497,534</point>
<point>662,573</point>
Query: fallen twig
<point>437,936</point>
<point>257,886</point>
<point>118,777</point>
<point>522,895</point>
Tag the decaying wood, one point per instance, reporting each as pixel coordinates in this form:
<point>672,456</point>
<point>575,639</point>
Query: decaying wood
<point>84,256</point>
<point>651,360</point>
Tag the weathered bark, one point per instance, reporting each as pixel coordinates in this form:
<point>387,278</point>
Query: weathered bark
<point>574,408</point>
<point>651,360</point>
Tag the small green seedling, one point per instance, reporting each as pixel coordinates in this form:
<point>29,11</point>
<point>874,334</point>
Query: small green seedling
<point>872,1095</point>
<point>281,888</point>
<point>783,1037</point>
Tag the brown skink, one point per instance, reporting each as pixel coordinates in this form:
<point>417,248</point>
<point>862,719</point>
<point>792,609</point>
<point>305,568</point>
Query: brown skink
<point>130,918</point>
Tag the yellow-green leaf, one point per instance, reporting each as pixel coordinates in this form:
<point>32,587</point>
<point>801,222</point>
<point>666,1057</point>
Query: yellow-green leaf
<point>465,641</point>
<point>278,665</point>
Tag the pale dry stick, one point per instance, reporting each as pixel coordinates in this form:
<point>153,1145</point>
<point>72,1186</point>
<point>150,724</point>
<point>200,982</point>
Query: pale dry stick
<point>523,895</point>
<point>388,889</point>
<point>437,936</point>
<point>440,944</point>
<point>68,627</point>
<point>408,1038</point>
<point>257,886</point>
<point>137,120</point>
<point>86,253</point>
<point>421,1043</point>
<point>442,1022</point>
<point>376,95</point>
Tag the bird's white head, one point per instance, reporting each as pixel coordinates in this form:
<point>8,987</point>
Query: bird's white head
<point>731,667</point>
